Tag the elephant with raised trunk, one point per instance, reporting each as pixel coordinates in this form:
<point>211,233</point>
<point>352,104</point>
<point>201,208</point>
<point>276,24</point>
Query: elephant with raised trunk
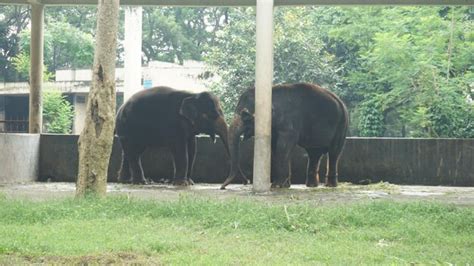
<point>164,117</point>
<point>302,114</point>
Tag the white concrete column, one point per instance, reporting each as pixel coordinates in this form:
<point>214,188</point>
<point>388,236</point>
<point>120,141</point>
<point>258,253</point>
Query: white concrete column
<point>36,68</point>
<point>133,51</point>
<point>263,96</point>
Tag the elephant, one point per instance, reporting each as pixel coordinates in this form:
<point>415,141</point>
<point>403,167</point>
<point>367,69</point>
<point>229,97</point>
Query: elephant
<point>303,114</point>
<point>168,118</point>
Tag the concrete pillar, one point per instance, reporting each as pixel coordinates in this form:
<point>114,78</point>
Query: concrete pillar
<point>133,51</point>
<point>36,68</point>
<point>263,96</point>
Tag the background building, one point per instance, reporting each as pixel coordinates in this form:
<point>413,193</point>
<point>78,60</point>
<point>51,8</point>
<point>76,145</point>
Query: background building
<point>75,85</point>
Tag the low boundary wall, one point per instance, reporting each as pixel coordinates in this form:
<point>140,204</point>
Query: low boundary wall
<point>19,157</point>
<point>396,160</point>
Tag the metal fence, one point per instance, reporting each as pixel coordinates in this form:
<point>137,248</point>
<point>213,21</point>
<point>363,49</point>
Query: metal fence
<point>14,126</point>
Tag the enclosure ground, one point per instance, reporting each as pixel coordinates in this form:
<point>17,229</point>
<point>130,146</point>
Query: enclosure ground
<point>378,224</point>
<point>345,192</point>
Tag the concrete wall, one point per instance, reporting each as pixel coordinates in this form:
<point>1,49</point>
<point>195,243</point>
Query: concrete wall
<point>80,108</point>
<point>401,161</point>
<point>19,157</point>
<point>82,74</point>
<point>2,113</point>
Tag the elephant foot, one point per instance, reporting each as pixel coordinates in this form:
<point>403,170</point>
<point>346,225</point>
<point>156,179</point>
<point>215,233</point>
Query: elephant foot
<point>245,181</point>
<point>312,184</point>
<point>282,184</point>
<point>140,181</point>
<point>331,182</point>
<point>227,181</point>
<point>124,181</point>
<point>182,182</point>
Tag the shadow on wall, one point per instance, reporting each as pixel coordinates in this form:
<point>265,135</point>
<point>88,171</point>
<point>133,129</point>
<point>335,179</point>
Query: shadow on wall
<point>395,160</point>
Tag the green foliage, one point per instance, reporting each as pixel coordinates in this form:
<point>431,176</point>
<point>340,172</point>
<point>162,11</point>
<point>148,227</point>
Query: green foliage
<point>64,46</point>
<point>57,113</point>
<point>416,62</point>
<point>371,123</point>
<point>13,20</point>
<point>79,17</point>
<point>194,231</point>
<point>22,66</point>
<point>176,34</point>
<point>21,62</point>
<point>299,54</point>
<point>402,71</point>
<point>449,114</point>
<point>233,58</point>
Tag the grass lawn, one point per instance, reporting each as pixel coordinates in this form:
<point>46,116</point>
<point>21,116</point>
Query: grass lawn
<point>208,231</point>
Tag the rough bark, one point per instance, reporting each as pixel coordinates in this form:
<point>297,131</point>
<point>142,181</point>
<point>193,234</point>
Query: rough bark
<point>95,142</point>
<point>36,69</point>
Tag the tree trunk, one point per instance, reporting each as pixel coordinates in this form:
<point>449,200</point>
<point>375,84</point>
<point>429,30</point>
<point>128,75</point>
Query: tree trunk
<point>95,142</point>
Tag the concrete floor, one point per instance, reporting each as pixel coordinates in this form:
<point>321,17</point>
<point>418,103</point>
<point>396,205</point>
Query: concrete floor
<point>345,192</point>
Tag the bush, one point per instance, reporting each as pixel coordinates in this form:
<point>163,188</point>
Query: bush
<point>57,113</point>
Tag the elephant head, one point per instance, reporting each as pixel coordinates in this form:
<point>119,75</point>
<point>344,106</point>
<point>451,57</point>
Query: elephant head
<point>242,124</point>
<point>205,114</point>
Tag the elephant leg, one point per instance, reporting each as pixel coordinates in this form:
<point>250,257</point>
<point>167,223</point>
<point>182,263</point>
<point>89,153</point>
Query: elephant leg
<point>124,173</point>
<point>180,156</point>
<point>191,158</point>
<point>331,174</point>
<point>284,146</point>
<point>287,183</point>
<point>312,171</point>
<point>136,168</point>
<point>131,163</point>
<point>274,172</point>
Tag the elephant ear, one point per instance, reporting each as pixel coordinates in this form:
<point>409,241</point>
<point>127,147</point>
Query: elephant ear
<point>248,120</point>
<point>189,109</point>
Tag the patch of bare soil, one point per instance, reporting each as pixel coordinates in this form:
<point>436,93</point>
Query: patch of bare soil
<point>103,259</point>
<point>345,192</point>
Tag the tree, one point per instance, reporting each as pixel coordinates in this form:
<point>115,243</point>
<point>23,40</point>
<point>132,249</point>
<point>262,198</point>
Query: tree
<point>402,71</point>
<point>65,46</point>
<point>13,20</point>
<point>21,62</point>
<point>176,34</point>
<point>95,141</point>
<point>57,113</point>
<point>414,66</point>
<point>82,18</point>
<point>299,54</point>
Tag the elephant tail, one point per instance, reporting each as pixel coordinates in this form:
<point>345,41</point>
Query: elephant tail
<point>339,139</point>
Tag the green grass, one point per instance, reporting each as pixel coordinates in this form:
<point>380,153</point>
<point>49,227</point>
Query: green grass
<point>205,231</point>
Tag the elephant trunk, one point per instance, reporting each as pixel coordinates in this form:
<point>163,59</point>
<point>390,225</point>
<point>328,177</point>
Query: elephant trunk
<point>236,130</point>
<point>221,130</point>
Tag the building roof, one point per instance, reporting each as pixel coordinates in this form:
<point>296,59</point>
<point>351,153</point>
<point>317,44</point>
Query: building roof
<point>183,77</point>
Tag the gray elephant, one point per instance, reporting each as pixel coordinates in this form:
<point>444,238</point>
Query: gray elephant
<point>302,114</point>
<point>164,117</point>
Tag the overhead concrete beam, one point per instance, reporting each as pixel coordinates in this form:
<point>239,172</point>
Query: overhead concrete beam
<point>247,2</point>
<point>36,68</point>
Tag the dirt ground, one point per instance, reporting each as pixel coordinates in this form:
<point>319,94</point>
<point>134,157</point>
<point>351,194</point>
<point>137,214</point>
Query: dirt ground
<point>345,192</point>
